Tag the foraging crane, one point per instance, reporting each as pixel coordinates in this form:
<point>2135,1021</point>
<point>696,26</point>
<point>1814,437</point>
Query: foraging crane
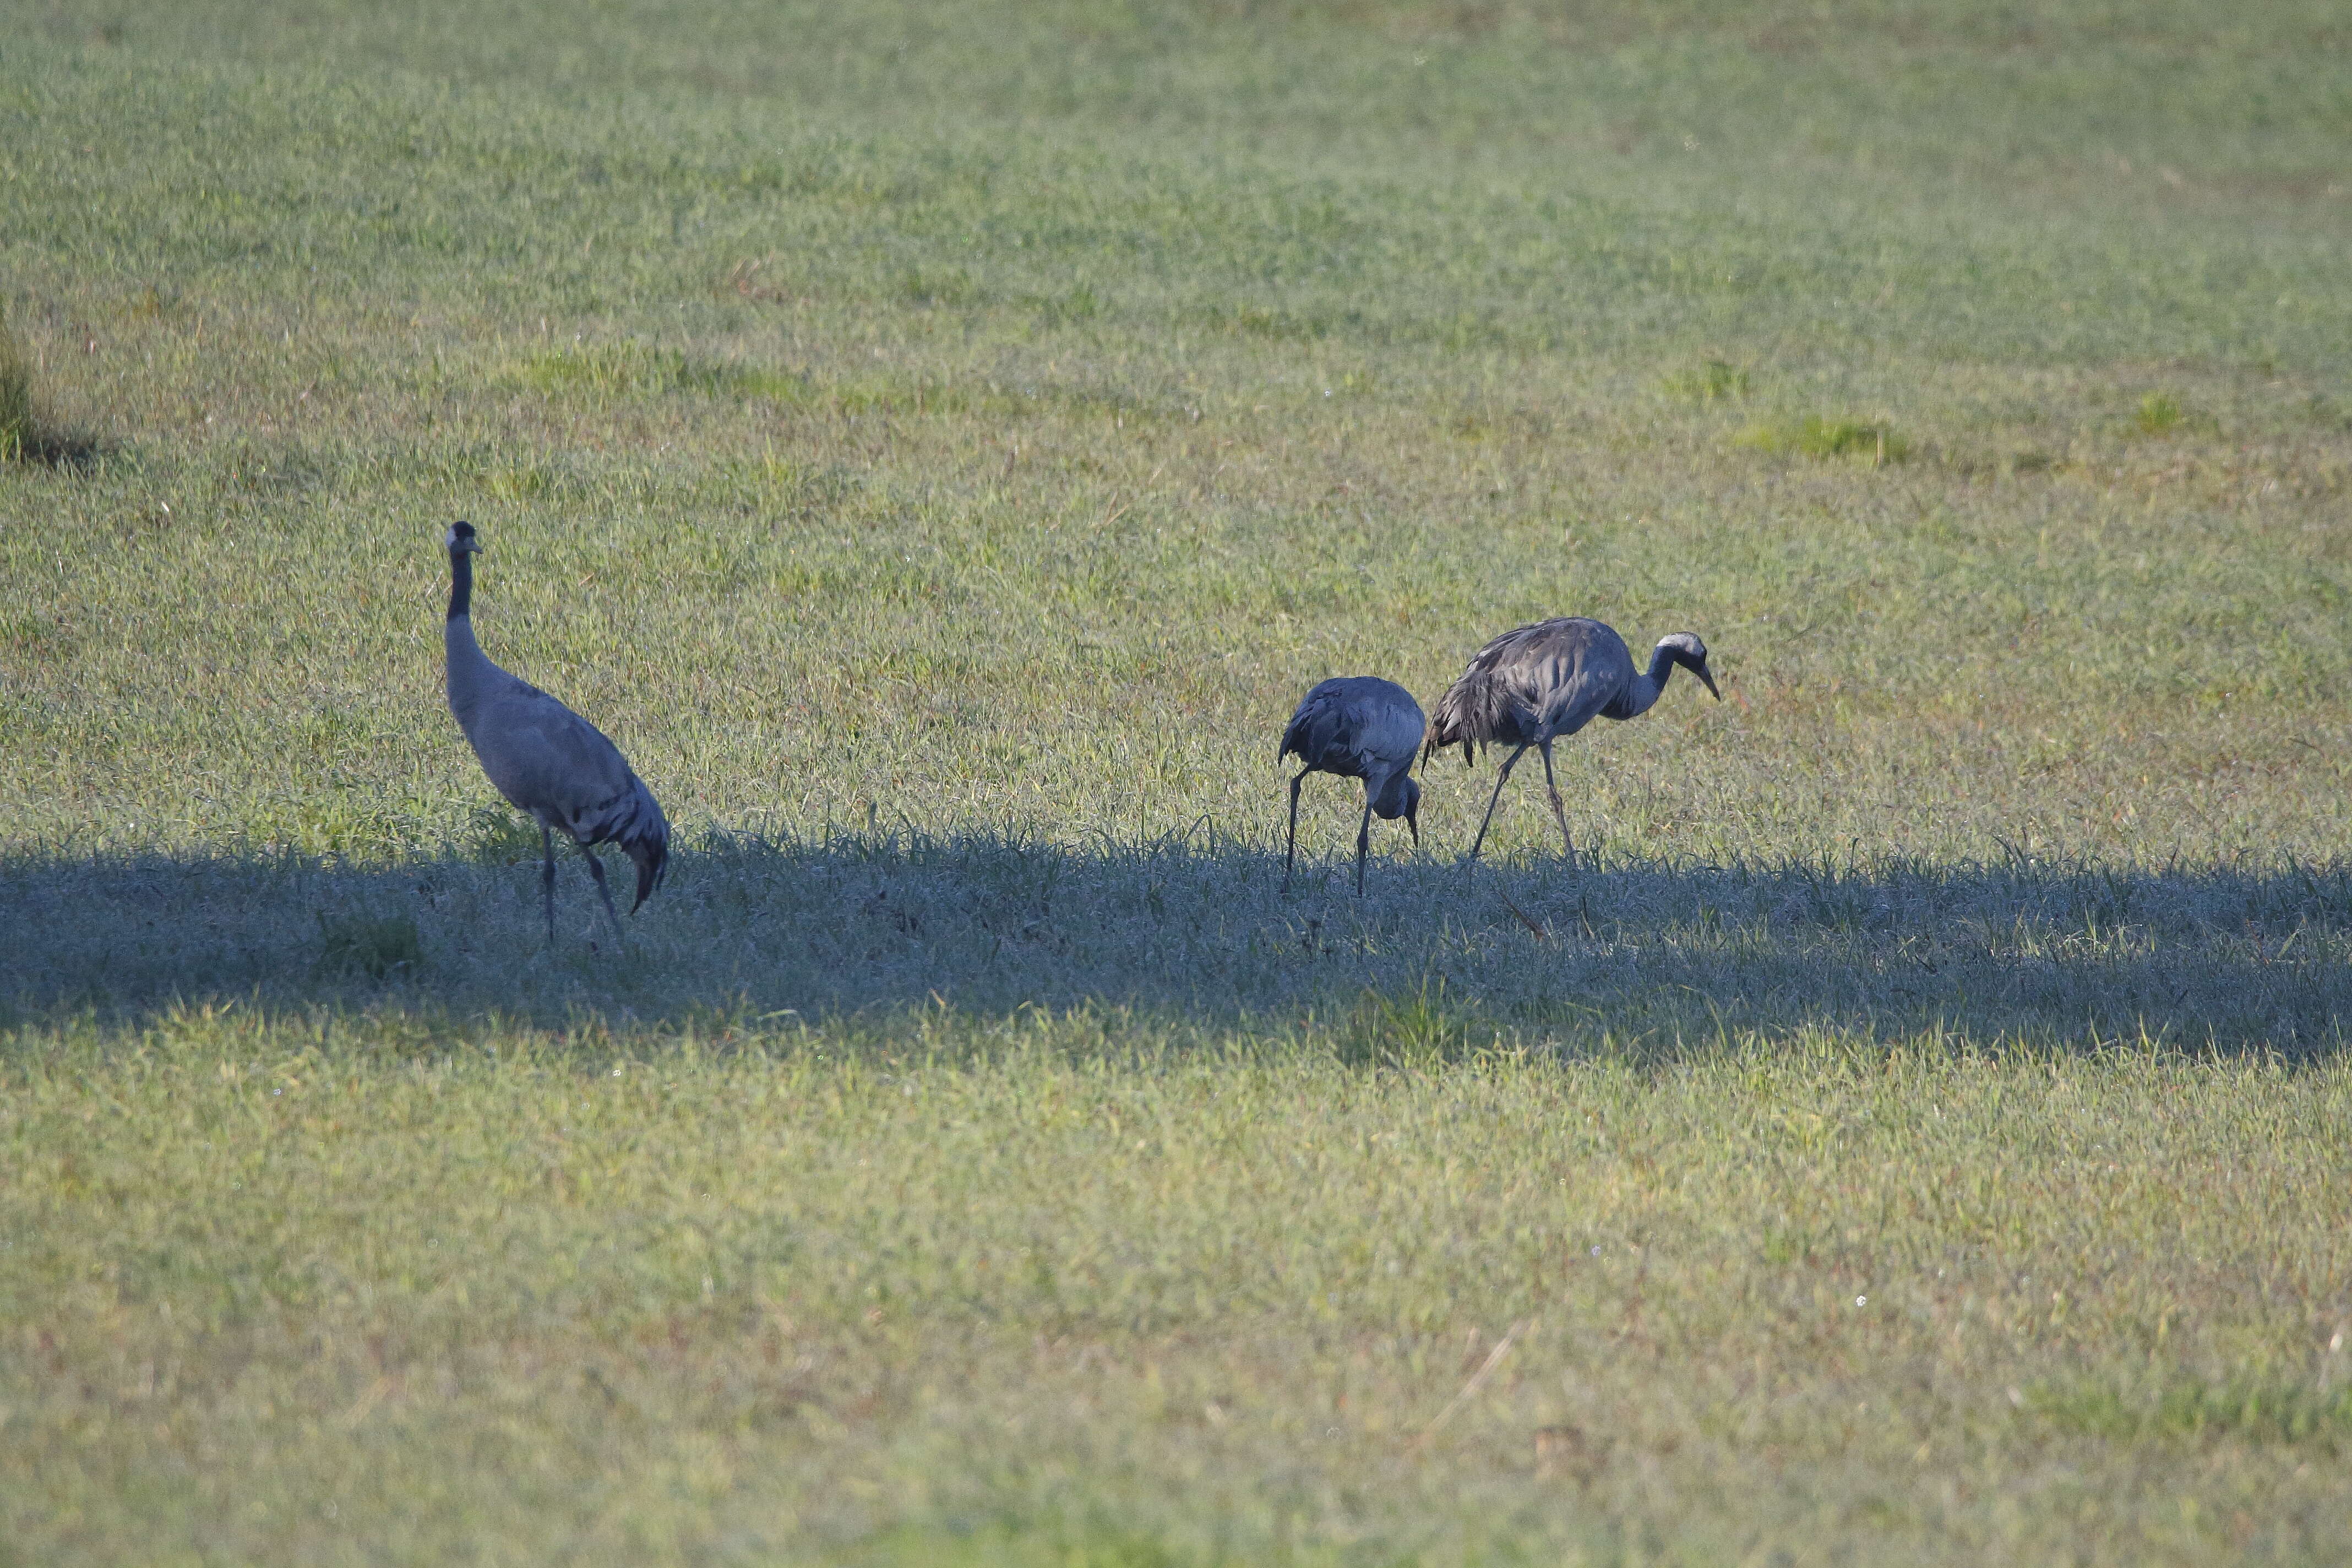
<point>1535,685</point>
<point>1358,727</point>
<point>546,759</point>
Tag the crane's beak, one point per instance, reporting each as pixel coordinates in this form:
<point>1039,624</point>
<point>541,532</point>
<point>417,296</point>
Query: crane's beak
<point>1702,673</point>
<point>1412,820</point>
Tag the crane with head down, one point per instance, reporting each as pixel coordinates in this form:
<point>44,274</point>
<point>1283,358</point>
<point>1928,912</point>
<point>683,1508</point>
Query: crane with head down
<point>1358,727</point>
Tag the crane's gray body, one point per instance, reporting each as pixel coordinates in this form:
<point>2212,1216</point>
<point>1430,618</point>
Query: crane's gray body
<point>1536,684</point>
<point>549,762</point>
<point>544,758</point>
<point>1358,727</point>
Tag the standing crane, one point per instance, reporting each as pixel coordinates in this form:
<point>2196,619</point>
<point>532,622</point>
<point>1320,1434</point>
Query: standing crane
<point>546,759</point>
<point>1358,727</point>
<point>1541,683</point>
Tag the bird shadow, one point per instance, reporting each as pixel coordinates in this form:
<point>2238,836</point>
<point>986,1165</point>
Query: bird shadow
<point>1200,939</point>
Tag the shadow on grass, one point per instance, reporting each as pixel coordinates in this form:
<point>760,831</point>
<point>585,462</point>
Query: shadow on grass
<point>1437,960</point>
<point>51,448</point>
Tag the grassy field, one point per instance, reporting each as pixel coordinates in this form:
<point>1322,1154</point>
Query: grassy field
<point>940,445</point>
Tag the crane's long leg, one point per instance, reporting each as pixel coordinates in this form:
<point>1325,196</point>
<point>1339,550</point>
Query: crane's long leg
<point>597,870</point>
<point>1508,764</point>
<point>1291,849</point>
<point>547,878</point>
<point>1558,811</point>
<point>1364,844</point>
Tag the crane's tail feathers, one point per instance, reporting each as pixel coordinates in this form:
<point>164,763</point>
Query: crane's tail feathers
<point>651,855</point>
<point>1472,712</point>
<point>632,819</point>
<point>648,844</point>
<point>1297,737</point>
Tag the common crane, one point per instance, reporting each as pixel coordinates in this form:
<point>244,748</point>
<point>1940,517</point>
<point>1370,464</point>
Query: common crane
<point>1359,727</point>
<point>1535,685</point>
<point>546,759</point>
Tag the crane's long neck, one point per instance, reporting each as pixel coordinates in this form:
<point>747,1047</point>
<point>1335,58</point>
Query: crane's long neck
<point>1649,685</point>
<point>471,673</point>
<point>461,584</point>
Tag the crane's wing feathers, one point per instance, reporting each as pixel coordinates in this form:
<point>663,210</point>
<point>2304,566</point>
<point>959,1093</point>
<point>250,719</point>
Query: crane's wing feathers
<point>1309,730</point>
<point>549,761</point>
<point>634,820</point>
<point>569,775</point>
<point>1534,682</point>
<point>1392,731</point>
<point>1356,726</point>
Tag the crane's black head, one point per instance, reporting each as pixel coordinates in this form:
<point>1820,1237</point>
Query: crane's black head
<point>1685,649</point>
<point>1400,796</point>
<point>463,547</point>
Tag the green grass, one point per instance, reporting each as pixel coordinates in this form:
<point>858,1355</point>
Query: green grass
<point>377,947</point>
<point>2159,414</point>
<point>18,434</point>
<point>1708,382</point>
<point>1016,1289</point>
<point>1815,437</point>
<point>940,445</point>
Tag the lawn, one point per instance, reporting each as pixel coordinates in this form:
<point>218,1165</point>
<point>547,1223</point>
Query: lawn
<point>940,445</point>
